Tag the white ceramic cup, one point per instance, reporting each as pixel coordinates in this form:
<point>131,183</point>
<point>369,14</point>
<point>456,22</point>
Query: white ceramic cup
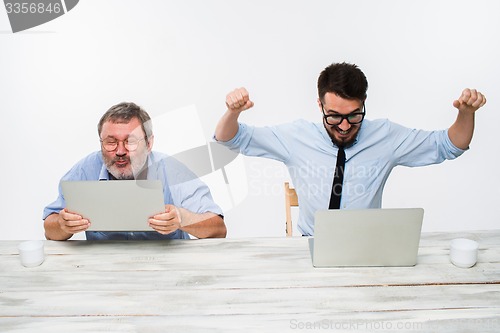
<point>31,253</point>
<point>463,252</point>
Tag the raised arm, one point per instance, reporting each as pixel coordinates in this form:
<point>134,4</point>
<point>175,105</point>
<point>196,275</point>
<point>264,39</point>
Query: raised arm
<point>460,133</point>
<point>237,101</point>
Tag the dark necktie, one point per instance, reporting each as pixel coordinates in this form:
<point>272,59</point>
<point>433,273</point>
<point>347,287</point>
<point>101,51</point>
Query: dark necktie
<point>338,179</point>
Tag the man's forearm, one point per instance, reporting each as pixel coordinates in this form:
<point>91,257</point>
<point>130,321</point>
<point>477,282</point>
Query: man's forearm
<point>206,225</point>
<point>227,127</point>
<point>460,133</point>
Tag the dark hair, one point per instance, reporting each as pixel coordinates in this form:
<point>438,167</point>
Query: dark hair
<point>123,113</point>
<point>344,80</point>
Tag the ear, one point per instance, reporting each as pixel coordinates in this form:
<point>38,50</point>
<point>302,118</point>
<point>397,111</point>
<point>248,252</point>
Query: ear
<point>319,106</point>
<point>150,143</point>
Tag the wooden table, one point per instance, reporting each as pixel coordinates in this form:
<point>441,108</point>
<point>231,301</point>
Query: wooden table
<point>253,285</point>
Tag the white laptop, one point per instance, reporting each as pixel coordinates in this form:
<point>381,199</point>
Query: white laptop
<point>116,205</point>
<point>366,237</point>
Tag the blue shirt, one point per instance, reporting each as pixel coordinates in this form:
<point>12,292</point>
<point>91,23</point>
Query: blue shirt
<point>310,156</point>
<point>181,188</point>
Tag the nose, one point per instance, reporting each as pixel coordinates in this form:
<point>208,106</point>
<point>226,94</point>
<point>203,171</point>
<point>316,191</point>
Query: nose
<point>120,149</point>
<point>344,125</point>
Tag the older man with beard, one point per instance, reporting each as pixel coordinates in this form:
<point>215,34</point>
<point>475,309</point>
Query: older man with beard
<point>126,138</point>
<point>344,161</point>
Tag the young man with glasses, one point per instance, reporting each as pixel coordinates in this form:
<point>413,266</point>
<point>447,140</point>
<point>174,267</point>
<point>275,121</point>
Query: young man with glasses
<point>126,138</point>
<point>368,150</point>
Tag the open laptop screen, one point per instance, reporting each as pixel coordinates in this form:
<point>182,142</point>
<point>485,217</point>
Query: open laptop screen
<point>117,205</point>
<point>367,237</point>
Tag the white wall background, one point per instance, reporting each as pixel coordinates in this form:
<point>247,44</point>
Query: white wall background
<point>57,80</point>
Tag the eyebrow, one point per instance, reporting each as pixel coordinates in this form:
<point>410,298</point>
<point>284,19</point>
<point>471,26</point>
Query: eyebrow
<point>329,112</point>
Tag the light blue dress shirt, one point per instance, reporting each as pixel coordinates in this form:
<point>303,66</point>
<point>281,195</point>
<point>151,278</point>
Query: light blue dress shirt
<point>310,156</point>
<point>181,188</point>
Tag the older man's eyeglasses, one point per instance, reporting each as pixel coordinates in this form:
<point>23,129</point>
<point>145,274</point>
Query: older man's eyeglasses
<point>130,144</point>
<point>353,118</point>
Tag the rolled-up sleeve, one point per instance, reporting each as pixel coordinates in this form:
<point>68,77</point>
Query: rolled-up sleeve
<point>268,142</point>
<point>419,147</point>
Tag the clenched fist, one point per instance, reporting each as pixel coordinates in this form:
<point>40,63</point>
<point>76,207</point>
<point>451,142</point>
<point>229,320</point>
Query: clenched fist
<point>470,101</point>
<point>238,100</point>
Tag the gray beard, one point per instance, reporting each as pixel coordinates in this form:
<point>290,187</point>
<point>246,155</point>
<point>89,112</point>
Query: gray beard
<point>136,167</point>
<point>121,176</point>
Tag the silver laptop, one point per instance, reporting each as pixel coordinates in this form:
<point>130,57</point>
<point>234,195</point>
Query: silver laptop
<point>116,205</point>
<point>367,237</point>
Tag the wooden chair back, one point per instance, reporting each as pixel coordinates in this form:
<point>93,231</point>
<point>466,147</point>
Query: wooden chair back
<point>291,200</point>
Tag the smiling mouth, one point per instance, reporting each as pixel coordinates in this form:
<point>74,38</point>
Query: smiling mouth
<point>343,132</point>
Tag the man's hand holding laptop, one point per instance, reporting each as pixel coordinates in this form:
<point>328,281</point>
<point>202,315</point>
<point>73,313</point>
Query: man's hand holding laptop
<point>72,223</point>
<point>175,218</point>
